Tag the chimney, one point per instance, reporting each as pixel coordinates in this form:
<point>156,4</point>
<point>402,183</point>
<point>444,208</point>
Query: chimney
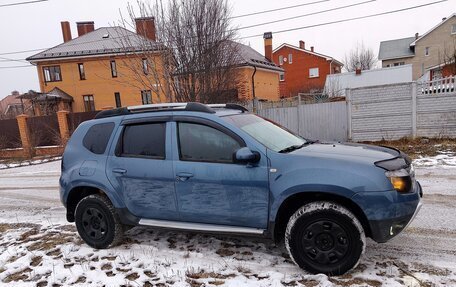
<point>145,26</point>
<point>85,27</point>
<point>358,71</point>
<point>268,45</point>
<point>302,45</point>
<point>66,31</point>
<point>417,36</point>
<point>312,48</point>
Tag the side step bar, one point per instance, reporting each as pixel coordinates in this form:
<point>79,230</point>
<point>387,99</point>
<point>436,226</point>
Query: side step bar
<point>200,226</point>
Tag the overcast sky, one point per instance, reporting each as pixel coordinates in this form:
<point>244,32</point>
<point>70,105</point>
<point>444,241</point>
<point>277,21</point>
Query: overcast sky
<point>36,26</point>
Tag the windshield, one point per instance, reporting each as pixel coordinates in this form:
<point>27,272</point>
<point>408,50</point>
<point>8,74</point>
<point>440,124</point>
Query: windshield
<point>270,134</point>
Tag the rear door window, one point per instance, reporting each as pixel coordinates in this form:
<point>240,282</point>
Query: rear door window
<point>144,140</point>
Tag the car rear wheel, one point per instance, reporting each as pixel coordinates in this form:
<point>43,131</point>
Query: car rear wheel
<point>325,237</point>
<point>98,223</point>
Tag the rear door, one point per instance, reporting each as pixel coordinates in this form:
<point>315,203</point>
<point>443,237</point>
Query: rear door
<point>141,169</point>
<point>210,187</point>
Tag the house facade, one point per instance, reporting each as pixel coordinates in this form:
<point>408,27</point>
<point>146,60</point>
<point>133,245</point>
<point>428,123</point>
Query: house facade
<point>305,70</point>
<point>430,51</point>
<point>110,67</point>
<point>95,70</point>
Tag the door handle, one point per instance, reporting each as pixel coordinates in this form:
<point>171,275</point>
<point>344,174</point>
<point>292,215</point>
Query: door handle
<point>183,176</point>
<point>119,170</point>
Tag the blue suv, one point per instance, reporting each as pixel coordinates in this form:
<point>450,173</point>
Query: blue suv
<point>221,169</point>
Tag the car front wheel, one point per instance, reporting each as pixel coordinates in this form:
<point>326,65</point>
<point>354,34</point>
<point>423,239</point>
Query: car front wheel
<point>325,237</point>
<point>97,222</point>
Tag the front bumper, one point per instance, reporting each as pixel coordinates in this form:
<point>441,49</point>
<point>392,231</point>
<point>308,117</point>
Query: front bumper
<point>389,213</point>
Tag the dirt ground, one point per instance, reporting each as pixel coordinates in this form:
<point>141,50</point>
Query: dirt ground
<point>39,248</point>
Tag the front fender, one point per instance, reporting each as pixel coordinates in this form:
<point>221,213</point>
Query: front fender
<point>307,188</point>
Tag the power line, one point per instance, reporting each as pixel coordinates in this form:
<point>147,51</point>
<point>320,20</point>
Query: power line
<point>23,66</point>
<point>266,11</point>
<point>3,59</point>
<point>280,31</point>
<point>22,3</point>
<point>348,19</point>
<point>277,9</point>
<point>24,51</point>
<point>305,15</point>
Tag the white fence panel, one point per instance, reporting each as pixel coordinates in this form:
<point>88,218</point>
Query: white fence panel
<point>323,121</point>
<point>381,112</point>
<point>436,114</point>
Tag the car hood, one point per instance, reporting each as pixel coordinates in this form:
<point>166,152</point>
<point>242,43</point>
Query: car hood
<point>369,152</point>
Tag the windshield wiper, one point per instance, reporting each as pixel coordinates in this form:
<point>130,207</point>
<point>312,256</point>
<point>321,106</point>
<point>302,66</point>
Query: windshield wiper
<point>292,148</point>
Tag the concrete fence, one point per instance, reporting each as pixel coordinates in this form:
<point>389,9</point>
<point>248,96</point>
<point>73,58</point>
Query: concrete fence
<point>387,112</point>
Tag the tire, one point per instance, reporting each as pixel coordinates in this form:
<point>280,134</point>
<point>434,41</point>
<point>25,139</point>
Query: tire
<point>325,237</point>
<point>98,223</point>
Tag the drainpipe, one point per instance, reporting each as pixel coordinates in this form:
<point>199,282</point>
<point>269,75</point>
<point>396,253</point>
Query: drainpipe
<point>253,88</point>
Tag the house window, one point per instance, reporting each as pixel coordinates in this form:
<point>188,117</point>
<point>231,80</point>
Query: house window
<point>426,51</point>
<point>146,97</point>
<point>399,64</point>
<point>113,69</point>
<point>313,73</point>
<point>145,66</point>
<point>453,29</point>
<point>388,65</point>
<point>280,60</point>
<point>117,98</point>
<point>89,104</point>
<point>52,74</point>
<point>82,75</point>
<point>282,77</point>
<point>290,58</point>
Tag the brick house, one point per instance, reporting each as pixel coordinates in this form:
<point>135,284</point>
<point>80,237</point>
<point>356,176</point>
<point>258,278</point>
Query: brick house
<point>12,106</point>
<point>305,70</point>
<point>92,69</point>
<point>430,54</point>
<point>95,71</point>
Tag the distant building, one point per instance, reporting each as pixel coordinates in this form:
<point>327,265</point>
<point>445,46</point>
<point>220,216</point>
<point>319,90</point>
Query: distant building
<point>12,106</point>
<point>91,69</point>
<point>94,70</point>
<point>427,52</point>
<point>305,70</point>
<point>336,84</point>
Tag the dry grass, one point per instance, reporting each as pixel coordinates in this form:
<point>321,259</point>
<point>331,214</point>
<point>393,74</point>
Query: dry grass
<point>356,281</point>
<point>420,146</point>
<point>8,226</point>
<point>204,275</point>
<point>18,276</point>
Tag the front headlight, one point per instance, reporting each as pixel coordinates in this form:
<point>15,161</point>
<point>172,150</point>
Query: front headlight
<point>400,179</point>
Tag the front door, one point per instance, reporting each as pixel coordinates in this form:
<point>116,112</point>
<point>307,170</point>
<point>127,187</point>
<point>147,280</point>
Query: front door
<point>210,187</point>
<point>142,171</point>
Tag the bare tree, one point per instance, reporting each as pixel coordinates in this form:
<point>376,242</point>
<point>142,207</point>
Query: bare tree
<point>449,59</point>
<point>361,57</point>
<point>195,56</point>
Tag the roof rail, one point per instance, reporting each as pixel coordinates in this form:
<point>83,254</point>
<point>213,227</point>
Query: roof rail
<point>228,106</point>
<point>191,106</point>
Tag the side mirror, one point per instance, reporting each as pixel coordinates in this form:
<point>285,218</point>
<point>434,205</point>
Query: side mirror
<point>245,155</point>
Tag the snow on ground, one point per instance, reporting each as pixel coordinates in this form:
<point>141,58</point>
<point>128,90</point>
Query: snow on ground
<point>39,248</point>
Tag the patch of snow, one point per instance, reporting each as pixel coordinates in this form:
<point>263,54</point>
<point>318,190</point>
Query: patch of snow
<point>444,159</point>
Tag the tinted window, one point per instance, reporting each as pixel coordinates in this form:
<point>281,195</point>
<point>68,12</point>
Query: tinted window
<point>202,143</point>
<point>97,137</point>
<point>144,140</point>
